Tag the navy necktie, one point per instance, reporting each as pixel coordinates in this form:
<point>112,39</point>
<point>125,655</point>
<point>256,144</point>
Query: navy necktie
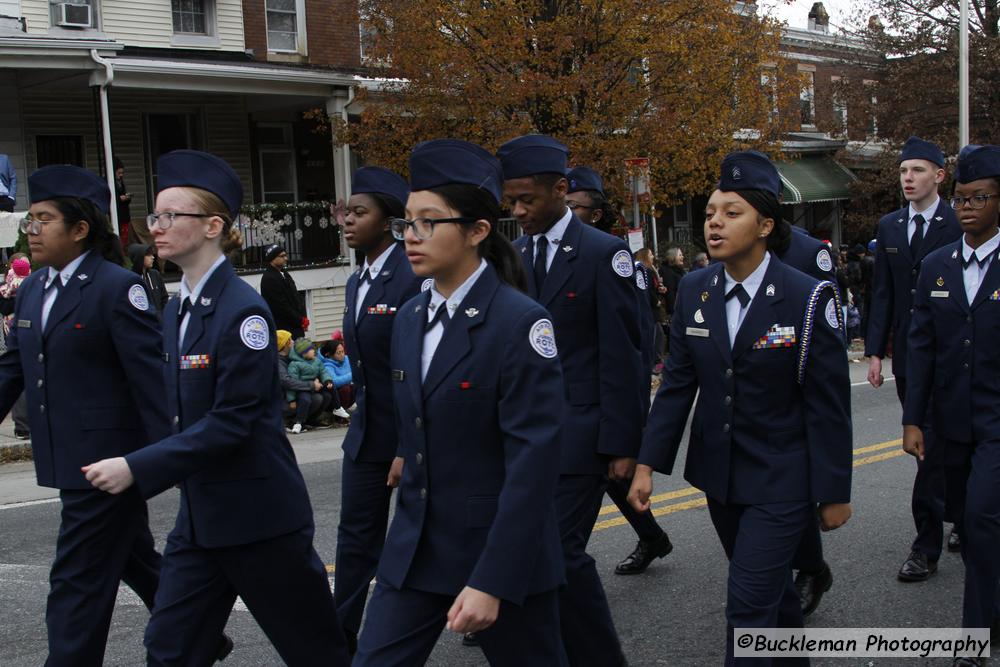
<point>740,293</point>
<point>541,248</point>
<point>918,235</point>
<point>981,261</point>
<point>441,315</point>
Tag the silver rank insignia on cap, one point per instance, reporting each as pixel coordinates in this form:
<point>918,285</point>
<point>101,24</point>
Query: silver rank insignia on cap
<point>770,290</point>
<point>737,174</point>
<point>471,312</point>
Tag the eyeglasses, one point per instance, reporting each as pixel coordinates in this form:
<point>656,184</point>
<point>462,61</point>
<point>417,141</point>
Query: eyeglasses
<point>33,226</point>
<point>423,228</point>
<point>166,220</point>
<point>975,202</point>
<point>572,205</point>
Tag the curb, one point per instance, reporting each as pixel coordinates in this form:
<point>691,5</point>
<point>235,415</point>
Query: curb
<point>15,453</point>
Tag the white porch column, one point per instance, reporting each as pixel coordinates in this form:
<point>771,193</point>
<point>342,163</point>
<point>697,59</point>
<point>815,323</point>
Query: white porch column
<point>336,107</point>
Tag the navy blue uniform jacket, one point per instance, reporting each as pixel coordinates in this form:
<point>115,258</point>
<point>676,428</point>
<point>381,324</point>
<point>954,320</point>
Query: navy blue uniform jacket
<point>757,436</point>
<point>895,278</point>
<point>92,377</point>
<point>229,452</point>
<point>372,434</point>
<point>810,255</point>
<point>954,356</point>
<point>480,438</point>
<point>595,312</point>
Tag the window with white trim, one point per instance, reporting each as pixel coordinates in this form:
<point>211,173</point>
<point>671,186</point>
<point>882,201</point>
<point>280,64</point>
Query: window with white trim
<point>192,17</point>
<point>839,107</point>
<point>286,24</point>
<point>807,98</point>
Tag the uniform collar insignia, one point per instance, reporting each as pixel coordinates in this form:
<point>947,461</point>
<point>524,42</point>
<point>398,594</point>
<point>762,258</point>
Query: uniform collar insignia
<point>938,218</point>
<point>471,312</point>
<point>770,290</point>
<point>417,309</point>
<point>567,248</point>
<point>82,276</point>
<point>385,273</point>
<point>954,254</point>
<point>524,249</point>
<point>206,301</point>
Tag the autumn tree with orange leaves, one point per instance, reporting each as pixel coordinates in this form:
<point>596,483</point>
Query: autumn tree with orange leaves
<point>674,81</point>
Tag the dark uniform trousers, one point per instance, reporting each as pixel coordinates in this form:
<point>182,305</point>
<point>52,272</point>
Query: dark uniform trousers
<point>760,542</point>
<point>200,586</point>
<point>103,539</point>
<point>643,523</point>
<point>409,623</point>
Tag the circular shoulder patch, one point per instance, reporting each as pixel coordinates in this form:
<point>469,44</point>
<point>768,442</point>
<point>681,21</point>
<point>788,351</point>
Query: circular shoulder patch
<point>640,279</point>
<point>543,339</point>
<point>137,297</point>
<point>254,332</point>
<point>823,260</point>
<point>427,284</point>
<point>622,264</point>
<point>832,316</point>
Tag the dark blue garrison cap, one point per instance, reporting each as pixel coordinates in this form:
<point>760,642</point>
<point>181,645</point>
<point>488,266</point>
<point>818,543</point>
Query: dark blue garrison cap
<point>749,170</point>
<point>916,148</point>
<point>532,154</point>
<point>450,161</point>
<point>382,181</point>
<point>65,180</point>
<point>584,178</point>
<point>979,162</point>
<point>195,169</point>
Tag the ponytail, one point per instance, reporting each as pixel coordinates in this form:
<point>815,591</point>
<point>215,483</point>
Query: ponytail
<point>476,203</point>
<point>768,206</point>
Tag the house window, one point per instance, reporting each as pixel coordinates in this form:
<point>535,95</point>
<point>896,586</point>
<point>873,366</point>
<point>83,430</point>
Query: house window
<point>191,17</point>
<point>839,107</point>
<point>59,149</point>
<point>285,26</point>
<point>165,132</point>
<point>807,98</point>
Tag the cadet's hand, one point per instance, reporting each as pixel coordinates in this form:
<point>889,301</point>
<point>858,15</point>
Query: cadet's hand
<point>875,378</point>
<point>109,475</point>
<point>473,611</point>
<point>913,441</point>
<point>834,515</point>
<point>317,385</point>
<point>395,472</point>
<point>621,469</point>
<point>642,488</point>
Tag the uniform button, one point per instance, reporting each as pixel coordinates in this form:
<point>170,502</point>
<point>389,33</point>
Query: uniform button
<point>177,420</point>
<point>418,422</point>
<point>913,291</point>
<point>969,319</point>
<point>423,494</point>
<point>725,428</point>
<point>914,272</point>
<point>41,408</point>
<point>911,311</point>
<point>728,400</point>
<point>420,458</point>
<point>966,342</point>
<point>41,357</point>
<point>965,366</point>
<point>359,363</point>
<point>40,383</point>
<point>729,372</point>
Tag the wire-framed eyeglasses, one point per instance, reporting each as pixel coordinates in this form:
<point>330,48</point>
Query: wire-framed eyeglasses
<point>423,228</point>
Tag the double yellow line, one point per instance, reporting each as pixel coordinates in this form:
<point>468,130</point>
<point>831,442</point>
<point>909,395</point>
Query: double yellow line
<point>894,447</point>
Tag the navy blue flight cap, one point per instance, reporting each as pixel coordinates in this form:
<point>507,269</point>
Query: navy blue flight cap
<point>382,181</point>
<point>532,154</point>
<point>979,162</point>
<point>749,170</point>
<point>65,180</point>
<point>195,169</point>
<point>916,148</point>
<point>449,161</point>
<point>584,178</point>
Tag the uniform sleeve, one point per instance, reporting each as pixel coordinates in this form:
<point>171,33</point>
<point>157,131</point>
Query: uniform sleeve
<point>882,302</point>
<point>618,359</point>
<point>242,391</point>
<point>826,390</point>
<point>138,339</point>
<point>531,409</point>
<point>817,271</point>
<point>674,398</point>
<point>920,362</point>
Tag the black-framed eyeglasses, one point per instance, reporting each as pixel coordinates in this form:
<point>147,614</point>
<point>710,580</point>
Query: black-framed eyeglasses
<point>975,202</point>
<point>33,226</point>
<point>423,228</point>
<point>572,205</point>
<point>166,220</point>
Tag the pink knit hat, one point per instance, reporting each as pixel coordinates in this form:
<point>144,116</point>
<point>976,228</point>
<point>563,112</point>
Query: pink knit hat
<point>21,267</point>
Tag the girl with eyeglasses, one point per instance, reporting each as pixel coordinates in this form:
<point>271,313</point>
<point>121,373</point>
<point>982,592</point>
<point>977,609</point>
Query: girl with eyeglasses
<point>479,398</point>
<point>245,524</point>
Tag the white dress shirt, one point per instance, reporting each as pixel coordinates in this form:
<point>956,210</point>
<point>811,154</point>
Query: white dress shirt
<point>192,295</point>
<point>553,236</point>
<point>974,273</point>
<point>64,277</point>
<point>433,337</point>
<point>735,311</point>
<point>373,271</point>
<point>928,214</point>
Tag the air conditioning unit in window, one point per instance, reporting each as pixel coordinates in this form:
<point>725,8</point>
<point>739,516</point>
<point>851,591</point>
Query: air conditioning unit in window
<point>73,16</point>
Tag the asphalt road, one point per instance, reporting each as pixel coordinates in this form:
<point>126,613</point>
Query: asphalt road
<point>671,615</point>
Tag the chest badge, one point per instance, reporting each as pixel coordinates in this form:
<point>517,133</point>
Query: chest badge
<point>704,297</point>
<point>939,282</point>
<point>698,317</point>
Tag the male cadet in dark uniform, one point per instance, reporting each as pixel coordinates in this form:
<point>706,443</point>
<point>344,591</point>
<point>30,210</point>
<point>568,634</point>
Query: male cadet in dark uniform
<point>584,277</point>
<point>584,197</point>
<point>954,365</point>
<point>904,238</point>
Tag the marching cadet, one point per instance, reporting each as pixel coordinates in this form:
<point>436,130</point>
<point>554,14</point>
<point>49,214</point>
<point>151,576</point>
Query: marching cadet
<point>585,278</point>
<point>474,544</point>
<point>903,239</point>
<point>954,366</point>
<point>585,198</point>
<point>374,296</point>
<point>245,525</point>
<point>84,349</point>
<point>755,328</point>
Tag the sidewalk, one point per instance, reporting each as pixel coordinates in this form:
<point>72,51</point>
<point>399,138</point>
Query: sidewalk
<point>18,484</point>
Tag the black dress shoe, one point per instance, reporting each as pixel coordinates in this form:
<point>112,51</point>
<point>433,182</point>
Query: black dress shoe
<point>917,567</point>
<point>637,561</point>
<point>225,648</point>
<point>811,586</point>
<point>470,639</point>
<point>954,540</point>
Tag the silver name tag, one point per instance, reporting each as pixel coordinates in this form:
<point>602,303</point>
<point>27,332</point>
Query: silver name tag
<point>24,324</point>
<point>940,294</point>
<point>694,331</point>
<point>892,250</point>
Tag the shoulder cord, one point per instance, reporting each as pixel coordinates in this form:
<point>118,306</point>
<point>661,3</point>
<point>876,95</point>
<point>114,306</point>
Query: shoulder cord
<point>807,324</point>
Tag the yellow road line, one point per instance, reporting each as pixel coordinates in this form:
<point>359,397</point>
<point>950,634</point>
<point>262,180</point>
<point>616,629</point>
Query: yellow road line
<point>881,445</point>
<point>689,491</point>
<point>657,511</point>
<point>884,456</point>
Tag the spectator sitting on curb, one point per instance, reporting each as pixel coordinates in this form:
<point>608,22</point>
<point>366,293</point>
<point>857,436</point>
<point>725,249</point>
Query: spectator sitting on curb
<point>302,412</point>
<point>305,365</point>
<point>334,356</point>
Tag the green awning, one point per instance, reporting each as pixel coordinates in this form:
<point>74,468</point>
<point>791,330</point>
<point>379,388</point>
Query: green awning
<point>814,179</point>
